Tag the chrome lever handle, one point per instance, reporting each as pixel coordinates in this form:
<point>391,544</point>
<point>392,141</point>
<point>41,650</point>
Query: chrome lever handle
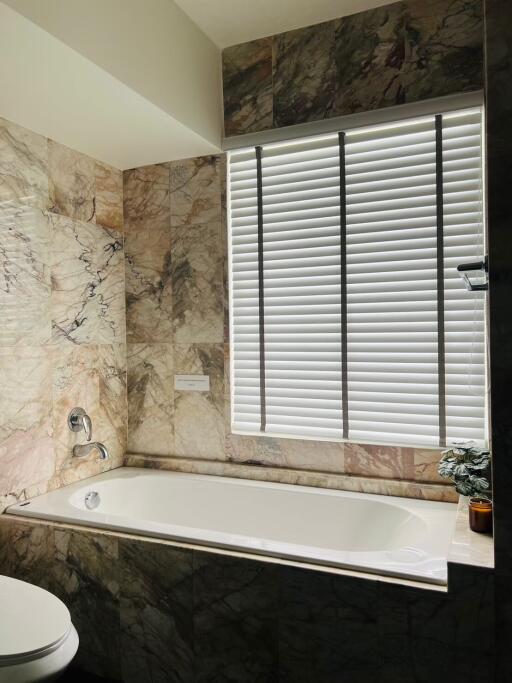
<point>78,420</point>
<point>87,425</point>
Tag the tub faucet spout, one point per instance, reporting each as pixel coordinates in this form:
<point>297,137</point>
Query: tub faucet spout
<point>81,450</point>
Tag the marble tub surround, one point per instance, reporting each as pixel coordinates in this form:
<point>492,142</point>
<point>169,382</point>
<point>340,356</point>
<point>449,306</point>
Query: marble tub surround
<point>151,610</point>
<point>402,52</point>
<point>299,477</point>
<point>62,311</point>
<point>468,547</point>
<point>178,323</point>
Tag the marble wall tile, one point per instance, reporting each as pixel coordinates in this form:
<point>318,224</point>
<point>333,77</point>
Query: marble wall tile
<point>391,462</point>
<point>61,281</point>
<point>23,165</point>
<point>87,283</point>
<point>71,182</point>
<point>148,254</point>
<point>26,448</point>
<point>94,378</point>
<point>24,275</point>
<point>146,197</point>
<point>235,619</point>
<point>426,461</point>
<point>195,191</point>
<point>304,74</point>
<point>247,87</point>
<point>406,52</point>
<point>199,416</point>
<point>297,477</point>
<point>444,48</point>
<point>109,196</point>
<point>156,613</point>
<point>371,48</point>
<point>150,398</point>
<point>401,52</point>
<point>197,284</point>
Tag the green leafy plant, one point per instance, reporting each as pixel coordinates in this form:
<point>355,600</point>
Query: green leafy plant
<point>469,468</point>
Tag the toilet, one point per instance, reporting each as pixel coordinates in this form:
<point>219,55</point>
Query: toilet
<point>37,638</point>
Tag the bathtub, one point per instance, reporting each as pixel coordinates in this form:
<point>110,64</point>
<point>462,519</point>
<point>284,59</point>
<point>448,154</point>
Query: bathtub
<point>399,537</point>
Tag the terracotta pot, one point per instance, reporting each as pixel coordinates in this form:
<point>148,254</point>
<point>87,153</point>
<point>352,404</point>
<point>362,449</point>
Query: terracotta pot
<point>480,515</point>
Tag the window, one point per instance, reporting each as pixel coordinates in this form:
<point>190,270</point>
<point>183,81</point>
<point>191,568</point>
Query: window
<point>349,319</point>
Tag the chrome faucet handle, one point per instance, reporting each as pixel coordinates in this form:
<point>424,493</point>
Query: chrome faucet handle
<point>78,420</point>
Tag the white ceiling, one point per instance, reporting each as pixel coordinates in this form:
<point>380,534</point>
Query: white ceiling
<point>68,72</point>
<point>228,22</point>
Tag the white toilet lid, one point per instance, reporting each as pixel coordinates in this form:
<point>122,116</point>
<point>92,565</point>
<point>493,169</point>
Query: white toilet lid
<point>32,619</point>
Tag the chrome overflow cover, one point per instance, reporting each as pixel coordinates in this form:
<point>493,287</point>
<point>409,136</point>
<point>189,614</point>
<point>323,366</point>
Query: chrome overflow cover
<point>92,500</point>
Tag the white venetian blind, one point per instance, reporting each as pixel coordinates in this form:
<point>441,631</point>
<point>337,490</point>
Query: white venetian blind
<point>349,319</point>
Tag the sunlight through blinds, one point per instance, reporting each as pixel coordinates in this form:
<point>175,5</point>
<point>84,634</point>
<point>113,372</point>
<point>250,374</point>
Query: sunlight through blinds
<point>349,319</point>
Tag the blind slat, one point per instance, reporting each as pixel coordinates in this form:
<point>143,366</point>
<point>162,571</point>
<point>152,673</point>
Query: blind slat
<point>360,237</point>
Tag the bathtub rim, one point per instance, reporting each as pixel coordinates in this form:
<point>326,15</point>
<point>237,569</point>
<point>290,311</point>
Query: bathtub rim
<point>161,534</point>
<point>7,518</point>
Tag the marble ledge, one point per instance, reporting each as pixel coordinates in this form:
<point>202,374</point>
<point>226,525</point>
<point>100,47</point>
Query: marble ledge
<point>212,550</point>
<point>341,482</point>
<point>468,547</point>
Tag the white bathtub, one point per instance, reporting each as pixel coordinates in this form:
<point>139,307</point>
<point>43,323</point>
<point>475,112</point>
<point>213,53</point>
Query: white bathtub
<point>379,534</point>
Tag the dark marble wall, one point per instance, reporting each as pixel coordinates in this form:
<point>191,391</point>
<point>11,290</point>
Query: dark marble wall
<point>498,21</point>
<point>150,612</point>
<point>403,52</point>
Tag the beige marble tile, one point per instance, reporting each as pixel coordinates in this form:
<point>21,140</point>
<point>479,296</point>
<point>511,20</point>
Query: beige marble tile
<point>378,461</point>
<point>23,165</point>
<point>150,398</point>
<point>148,254</point>
<point>197,266</point>
<point>88,301</point>
<point>26,448</point>
<point>146,197</point>
<point>468,547</point>
<point>199,416</point>
<point>426,461</point>
<point>109,196</point>
<point>92,377</point>
<point>71,182</point>
<point>24,276</point>
<point>195,191</point>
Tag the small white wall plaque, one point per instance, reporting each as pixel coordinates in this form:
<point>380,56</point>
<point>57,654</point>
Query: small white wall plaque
<point>192,382</point>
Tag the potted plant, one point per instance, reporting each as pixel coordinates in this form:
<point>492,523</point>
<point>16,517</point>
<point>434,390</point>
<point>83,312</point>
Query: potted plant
<point>468,466</point>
